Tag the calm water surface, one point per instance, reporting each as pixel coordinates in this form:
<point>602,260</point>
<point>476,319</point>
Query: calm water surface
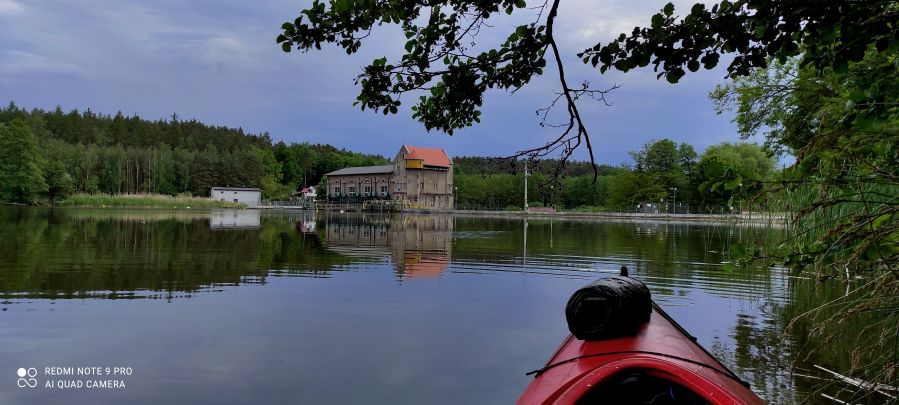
<point>240,307</point>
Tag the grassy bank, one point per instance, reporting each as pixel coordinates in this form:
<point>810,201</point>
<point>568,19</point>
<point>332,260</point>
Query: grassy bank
<point>143,200</point>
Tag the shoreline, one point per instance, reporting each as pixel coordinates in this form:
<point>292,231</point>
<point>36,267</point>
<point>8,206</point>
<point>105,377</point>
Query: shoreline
<point>745,218</point>
<point>754,218</point>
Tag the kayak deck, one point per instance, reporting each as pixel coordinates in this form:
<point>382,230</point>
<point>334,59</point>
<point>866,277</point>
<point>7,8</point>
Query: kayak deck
<point>661,356</point>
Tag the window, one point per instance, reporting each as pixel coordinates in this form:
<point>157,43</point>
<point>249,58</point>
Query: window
<point>352,189</point>
<point>337,189</point>
<point>367,189</point>
<point>235,200</point>
<point>235,192</point>
<point>383,189</point>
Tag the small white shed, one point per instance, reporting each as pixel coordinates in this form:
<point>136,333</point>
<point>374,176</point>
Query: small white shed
<point>249,196</point>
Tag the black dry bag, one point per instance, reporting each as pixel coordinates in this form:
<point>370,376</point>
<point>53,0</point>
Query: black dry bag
<point>608,308</point>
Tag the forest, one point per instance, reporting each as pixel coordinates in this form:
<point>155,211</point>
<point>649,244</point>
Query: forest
<point>48,155</point>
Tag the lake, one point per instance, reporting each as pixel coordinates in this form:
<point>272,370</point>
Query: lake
<point>239,306</point>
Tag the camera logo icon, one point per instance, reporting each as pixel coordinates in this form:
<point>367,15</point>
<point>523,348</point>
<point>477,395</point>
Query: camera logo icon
<point>26,377</point>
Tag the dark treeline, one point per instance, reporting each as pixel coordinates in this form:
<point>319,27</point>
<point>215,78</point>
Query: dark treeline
<point>50,154</point>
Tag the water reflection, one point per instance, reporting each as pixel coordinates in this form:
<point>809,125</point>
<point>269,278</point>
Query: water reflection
<point>149,254</point>
<point>324,298</point>
<point>235,219</point>
<point>418,246</point>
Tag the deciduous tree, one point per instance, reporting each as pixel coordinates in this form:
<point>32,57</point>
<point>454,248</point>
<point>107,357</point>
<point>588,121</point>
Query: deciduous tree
<point>21,178</point>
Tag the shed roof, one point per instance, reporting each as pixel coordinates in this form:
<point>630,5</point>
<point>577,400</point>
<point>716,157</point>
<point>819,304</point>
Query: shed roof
<point>430,156</point>
<point>237,188</point>
<point>352,171</point>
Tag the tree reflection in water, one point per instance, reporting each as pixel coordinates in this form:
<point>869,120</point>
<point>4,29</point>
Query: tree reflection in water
<point>741,314</point>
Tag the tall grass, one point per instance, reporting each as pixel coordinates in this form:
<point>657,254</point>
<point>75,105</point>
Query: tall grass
<point>143,200</point>
<point>845,229</point>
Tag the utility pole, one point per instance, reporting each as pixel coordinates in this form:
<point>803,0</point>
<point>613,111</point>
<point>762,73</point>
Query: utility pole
<point>674,202</point>
<point>526,174</point>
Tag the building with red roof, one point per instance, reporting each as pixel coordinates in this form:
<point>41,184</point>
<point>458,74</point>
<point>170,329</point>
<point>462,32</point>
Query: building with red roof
<point>432,157</point>
<point>420,177</point>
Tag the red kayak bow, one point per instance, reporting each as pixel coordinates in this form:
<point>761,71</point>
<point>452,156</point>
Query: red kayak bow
<point>656,363</point>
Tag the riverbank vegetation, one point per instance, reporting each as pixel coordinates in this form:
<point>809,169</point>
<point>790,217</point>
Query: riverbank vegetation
<point>842,123</point>
<point>664,172</point>
<point>143,201</point>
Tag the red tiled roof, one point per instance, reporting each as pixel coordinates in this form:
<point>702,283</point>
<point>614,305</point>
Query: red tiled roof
<point>430,156</point>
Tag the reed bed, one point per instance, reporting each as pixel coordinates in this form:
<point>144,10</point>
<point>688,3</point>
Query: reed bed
<point>144,201</point>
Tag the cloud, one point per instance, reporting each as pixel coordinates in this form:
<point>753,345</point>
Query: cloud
<point>201,49</point>
<point>588,22</point>
<point>25,63</point>
<point>8,7</point>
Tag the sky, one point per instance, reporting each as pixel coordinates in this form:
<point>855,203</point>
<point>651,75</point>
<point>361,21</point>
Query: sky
<point>217,61</point>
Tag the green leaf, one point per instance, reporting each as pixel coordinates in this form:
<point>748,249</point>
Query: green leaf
<point>880,220</point>
<point>674,75</point>
<point>693,65</point>
<point>669,9</point>
<point>734,183</point>
<point>841,65</point>
<point>657,21</point>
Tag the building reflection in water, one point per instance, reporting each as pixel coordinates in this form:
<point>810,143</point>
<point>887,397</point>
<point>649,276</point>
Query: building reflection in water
<point>306,225</point>
<point>419,246</point>
<point>234,219</point>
